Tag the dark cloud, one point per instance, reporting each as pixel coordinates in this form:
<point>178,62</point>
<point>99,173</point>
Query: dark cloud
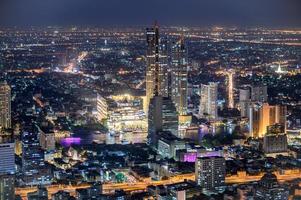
<point>282,13</point>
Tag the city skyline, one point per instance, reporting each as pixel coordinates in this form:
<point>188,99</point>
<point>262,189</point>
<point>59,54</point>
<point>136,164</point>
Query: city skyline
<point>203,102</point>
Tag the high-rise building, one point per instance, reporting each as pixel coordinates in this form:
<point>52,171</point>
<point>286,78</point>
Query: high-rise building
<point>210,172</point>
<point>162,116</point>
<point>7,170</point>
<point>35,172</point>
<point>179,78</point>
<point>275,141</point>
<point>208,101</point>
<point>230,88</point>
<point>7,186</point>
<point>7,155</point>
<point>156,71</point>
<point>5,105</point>
<point>162,113</point>
<point>102,108</point>
<point>259,93</point>
<point>263,115</point>
<point>244,100</point>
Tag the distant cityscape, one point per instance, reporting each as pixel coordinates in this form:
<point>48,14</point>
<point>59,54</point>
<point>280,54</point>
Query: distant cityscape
<point>162,113</point>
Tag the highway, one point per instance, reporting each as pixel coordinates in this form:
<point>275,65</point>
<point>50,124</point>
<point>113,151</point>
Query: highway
<point>141,186</point>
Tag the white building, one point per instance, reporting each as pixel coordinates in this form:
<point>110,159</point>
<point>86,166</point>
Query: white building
<point>208,101</point>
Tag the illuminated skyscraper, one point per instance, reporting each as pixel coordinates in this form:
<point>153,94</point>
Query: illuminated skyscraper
<point>230,75</point>
<point>5,105</point>
<point>208,101</point>
<point>179,76</point>
<point>156,71</point>
<point>162,113</point>
<point>263,115</point>
<point>102,108</point>
<point>7,155</point>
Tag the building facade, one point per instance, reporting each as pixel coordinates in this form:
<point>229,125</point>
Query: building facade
<point>262,115</point>
<point>156,61</point>
<point>210,172</point>
<point>208,101</point>
<point>5,105</point>
<point>179,79</point>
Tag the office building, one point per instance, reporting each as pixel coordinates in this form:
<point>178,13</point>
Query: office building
<point>162,116</point>
<point>156,71</point>
<point>47,141</point>
<point>262,115</point>
<point>179,77</point>
<point>168,145</point>
<point>7,155</point>
<point>162,113</point>
<point>275,141</point>
<point>5,105</point>
<point>244,100</point>
<point>230,88</point>
<point>259,93</point>
<point>210,172</point>
<point>102,108</point>
<point>7,186</point>
<point>208,101</point>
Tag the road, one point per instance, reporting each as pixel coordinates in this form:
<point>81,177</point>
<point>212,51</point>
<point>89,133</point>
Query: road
<point>141,186</point>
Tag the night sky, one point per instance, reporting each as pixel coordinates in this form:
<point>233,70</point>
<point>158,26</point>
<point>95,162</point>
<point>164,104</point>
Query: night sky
<point>271,13</point>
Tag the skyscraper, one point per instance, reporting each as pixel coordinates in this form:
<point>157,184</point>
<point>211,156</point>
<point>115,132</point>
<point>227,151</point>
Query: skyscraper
<point>230,89</point>
<point>275,140</point>
<point>210,172</point>
<point>263,115</point>
<point>244,100</point>
<point>156,71</point>
<point>7,155</point>
<point>208,101</point>
<point>7,186</point>
<point>162,114</point>
<point>7,170</point>
<point>179,72</point>
<point>102,108</point>
<point>259,93</point>
<point>5,105</point>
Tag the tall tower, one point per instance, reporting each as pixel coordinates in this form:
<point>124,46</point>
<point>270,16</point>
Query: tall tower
<point>156,71</point>
<point>179,76</point>
<point>244,100</point>
<point>5,105</point>
<point>230,75</point>
<point>162,114</point>
<point>208,101</point>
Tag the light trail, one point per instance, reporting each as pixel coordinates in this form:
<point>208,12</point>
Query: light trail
<point>142,185</point>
